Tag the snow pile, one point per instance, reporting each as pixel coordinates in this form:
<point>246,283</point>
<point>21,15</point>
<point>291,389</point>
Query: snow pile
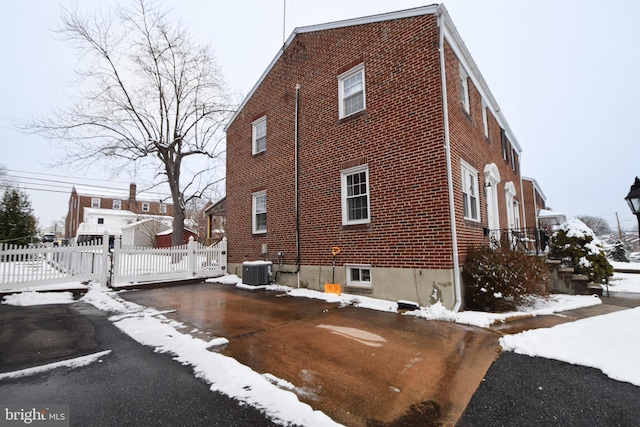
<point>38,298</point>
<point>604,342</point>
<point>539,306</point>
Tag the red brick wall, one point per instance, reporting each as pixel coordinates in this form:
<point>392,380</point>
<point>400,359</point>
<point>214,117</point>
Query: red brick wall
<point>533,201</point>
<point>468,142</point>
<point>400,136</point>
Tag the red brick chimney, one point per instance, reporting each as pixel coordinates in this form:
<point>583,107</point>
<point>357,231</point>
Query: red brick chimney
<point>132,198</point>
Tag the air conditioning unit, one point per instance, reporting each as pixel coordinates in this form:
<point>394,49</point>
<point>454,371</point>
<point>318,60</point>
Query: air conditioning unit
<point>256,273</point>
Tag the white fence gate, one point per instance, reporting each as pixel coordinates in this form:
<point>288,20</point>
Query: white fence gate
<point>193,260</point>
<point>43,265</point>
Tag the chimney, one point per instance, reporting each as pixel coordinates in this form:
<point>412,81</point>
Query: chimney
<point>132,197</point>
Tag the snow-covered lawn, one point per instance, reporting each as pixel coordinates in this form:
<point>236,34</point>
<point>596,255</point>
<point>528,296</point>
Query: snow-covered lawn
<point>604,342</point>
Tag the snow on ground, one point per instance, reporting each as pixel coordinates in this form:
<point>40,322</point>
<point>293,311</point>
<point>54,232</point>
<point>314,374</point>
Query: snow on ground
<point>608,342</point>
<point>76,362</point>
<point>604,342</point>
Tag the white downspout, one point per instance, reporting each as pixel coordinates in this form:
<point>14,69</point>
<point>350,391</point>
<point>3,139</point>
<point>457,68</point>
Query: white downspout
<point>447,149</point>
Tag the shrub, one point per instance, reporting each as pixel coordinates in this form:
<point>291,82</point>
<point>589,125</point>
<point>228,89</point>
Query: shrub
<point>501,279</point>
<point>618,253</point>
<point>577,246</point>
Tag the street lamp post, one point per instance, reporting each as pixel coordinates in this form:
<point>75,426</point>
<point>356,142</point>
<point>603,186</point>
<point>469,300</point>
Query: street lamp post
<point>633,199</point>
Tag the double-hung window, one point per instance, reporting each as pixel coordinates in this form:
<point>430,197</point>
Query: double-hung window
<point>351,91</point>
<point>259,135</point>
<point>145,207</point>
<point>117,204</point>
<point>470,202</point>
<point>95,202</point>
<point>355,195</point>
<point>163,208</point>
<point>259,212</point>
<point>485,122</point>
<point>463,89</point>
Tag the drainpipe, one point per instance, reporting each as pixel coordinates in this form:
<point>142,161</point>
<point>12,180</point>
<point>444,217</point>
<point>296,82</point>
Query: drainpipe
<point>447,150</point>
<point>297,193</point>
<point>296,161</point>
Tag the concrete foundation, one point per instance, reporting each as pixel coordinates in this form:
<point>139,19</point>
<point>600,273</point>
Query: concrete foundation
<point>424,286</point>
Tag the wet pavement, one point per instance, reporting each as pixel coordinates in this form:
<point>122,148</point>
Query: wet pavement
<point>361,367</point>
<point>128,385</point>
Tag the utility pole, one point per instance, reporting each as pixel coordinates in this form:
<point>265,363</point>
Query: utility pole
<point>620,230</point>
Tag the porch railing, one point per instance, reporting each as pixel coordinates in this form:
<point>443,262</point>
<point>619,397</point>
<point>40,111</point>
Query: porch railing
<point>530,240</point>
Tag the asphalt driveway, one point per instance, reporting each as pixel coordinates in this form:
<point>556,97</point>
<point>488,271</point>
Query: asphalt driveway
<point>129,386</point>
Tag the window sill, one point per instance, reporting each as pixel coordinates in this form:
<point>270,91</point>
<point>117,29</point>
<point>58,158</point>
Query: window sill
<point>352,116</point>
<point>259,153</point>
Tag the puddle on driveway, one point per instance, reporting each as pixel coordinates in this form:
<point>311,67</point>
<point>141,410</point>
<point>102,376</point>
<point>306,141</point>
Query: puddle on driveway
<point>364,337</point>
<point>361,367</point>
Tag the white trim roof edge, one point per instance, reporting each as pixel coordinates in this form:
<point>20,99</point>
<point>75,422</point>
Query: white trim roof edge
<point>451,33</point>
<point>536,186</point>
<point>407,13</point>
<point>463,54</point>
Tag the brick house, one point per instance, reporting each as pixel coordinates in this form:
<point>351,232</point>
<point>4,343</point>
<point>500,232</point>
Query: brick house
<point>129,203</point>
<point>214,217</point>
<point>377,135</point>
<point>534,200</point>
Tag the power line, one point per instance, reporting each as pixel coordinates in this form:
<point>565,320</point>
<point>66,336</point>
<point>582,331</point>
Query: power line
<point>69,177</point>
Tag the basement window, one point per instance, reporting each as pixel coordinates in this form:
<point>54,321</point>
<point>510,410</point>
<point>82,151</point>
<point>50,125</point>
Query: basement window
<point>359,276</point>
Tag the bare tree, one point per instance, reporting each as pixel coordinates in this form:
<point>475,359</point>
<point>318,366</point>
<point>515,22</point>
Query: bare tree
<point>600,226</point>
<point>150,97</point>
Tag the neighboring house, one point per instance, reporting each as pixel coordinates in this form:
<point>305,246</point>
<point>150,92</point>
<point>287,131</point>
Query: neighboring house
<point>377,135</point>
<point>144,203</point>
<point>163,238</point>
<point>115,222</point>
<point>215,215</point>
<point>143,233</point>
<point>534,201</point>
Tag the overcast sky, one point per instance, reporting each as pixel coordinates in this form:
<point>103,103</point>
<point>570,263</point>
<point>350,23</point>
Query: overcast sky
<point>562,72</point>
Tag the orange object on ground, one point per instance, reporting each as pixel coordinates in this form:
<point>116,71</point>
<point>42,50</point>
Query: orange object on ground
<point>332,288</point>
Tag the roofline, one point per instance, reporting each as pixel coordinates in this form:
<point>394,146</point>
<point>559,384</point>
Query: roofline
<point>536,186</point>
<point>452,35</point>
<point>417,11</point>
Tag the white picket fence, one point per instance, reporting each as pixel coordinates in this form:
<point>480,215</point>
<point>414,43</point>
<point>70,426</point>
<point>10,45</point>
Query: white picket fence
<point>193,260</point>
<point>43,265</point>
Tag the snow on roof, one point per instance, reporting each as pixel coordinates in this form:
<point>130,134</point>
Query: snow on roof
<point>111,212</point>
<point>551,217</point>
<point>122,194</point>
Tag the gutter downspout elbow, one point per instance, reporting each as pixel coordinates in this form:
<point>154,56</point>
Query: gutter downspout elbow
<point>447,149</point>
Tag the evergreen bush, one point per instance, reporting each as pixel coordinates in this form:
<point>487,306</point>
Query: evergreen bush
<point>618,253</point>
<point>577,246</point>
<point>501,279</point>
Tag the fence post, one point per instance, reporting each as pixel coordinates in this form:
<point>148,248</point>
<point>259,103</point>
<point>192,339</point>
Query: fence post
<point>191,257</point>
<point>104,274</point>
<point>117,261</point>
<point>223,254</point>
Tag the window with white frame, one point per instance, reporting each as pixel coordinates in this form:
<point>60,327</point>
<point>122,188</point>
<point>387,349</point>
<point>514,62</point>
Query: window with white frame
<point>259,135</point>
<point>355,195</point>
<point>485,123</point>
<point>145,207</point>
<point>351,91</point>
<point>163,208</point>
<point>117,204</point>
<point>470,202</point>
<point>95,202</point>
<point>463,89</point>
<point>259,212</point>
<point>358,276</point>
